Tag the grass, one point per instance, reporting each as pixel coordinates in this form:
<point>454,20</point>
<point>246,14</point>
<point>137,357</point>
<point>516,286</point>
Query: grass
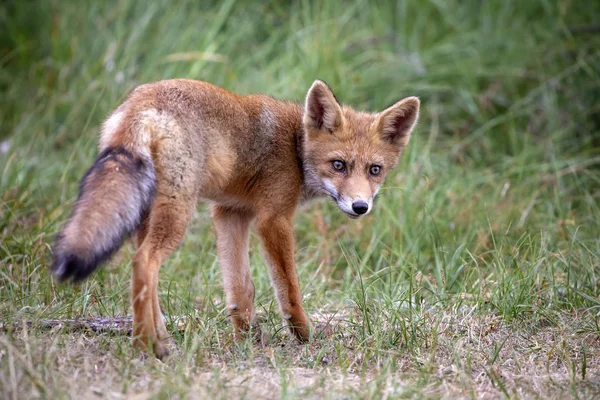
<point>477,275</point>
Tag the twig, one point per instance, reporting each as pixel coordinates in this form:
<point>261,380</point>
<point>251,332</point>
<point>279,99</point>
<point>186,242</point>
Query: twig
<point>122,325</point>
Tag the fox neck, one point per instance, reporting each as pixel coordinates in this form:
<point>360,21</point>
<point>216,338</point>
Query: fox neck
<point>312,185</point>
<point>286,117</point>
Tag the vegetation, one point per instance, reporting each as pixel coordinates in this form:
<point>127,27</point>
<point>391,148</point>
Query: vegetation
<point>477,275</point>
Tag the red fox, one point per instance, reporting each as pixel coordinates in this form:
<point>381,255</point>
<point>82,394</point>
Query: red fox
<point>254,158</point>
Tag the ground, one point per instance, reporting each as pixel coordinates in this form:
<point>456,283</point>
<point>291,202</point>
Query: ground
<point>462,355</point>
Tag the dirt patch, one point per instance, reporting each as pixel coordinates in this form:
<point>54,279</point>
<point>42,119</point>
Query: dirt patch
<point>466,355</point>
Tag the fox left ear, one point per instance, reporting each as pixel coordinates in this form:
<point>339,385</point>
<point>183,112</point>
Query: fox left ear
<point>397,121</point>
<point>322,111</point>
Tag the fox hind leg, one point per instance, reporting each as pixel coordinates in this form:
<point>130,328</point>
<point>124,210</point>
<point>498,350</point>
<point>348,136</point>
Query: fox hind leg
<point>157,314</point>
<point>160,235</point>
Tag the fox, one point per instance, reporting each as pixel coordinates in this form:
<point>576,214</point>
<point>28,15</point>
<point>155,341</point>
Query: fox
<point>254,159</point>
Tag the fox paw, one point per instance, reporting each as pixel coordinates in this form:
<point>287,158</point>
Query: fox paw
<point>299,327</point>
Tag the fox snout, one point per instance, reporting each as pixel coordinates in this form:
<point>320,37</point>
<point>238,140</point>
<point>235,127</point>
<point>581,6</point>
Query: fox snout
<point>354,207</point>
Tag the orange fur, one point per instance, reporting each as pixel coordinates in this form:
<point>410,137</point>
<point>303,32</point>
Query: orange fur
<point>255,159</point>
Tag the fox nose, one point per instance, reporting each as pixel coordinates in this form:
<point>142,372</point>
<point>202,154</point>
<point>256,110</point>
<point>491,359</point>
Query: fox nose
<point>360,207</point>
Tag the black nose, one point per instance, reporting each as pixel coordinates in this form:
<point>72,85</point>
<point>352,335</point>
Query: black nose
<point>360,207</point>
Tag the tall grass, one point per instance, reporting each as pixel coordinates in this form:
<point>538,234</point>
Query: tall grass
<point>493,210</point>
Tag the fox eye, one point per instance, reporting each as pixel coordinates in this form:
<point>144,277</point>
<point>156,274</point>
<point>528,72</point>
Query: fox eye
<point>375,170</point>
<point>338,165</point>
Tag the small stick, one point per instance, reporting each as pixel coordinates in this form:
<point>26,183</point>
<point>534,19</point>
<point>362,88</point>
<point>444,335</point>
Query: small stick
<point>122,325</point>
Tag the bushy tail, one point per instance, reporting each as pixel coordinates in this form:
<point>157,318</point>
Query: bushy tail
<point>115,194</point>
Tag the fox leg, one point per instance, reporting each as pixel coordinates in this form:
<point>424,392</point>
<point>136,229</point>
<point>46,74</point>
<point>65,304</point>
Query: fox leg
<point>164,231</point>
<point>233,227</point>
<point>278,244</point>
<point>157,313</point>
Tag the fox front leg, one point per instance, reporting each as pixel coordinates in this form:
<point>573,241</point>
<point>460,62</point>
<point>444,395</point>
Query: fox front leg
<point>233,230</point>
<point>278,245</point>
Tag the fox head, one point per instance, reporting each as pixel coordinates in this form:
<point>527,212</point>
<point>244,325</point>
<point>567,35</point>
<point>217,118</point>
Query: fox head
<point>347,153</point>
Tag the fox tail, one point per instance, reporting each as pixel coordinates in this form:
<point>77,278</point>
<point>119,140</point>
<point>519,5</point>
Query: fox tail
<point>115,196</point>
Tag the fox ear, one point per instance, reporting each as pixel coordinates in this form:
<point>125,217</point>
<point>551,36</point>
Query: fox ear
<point>397,121</point>
<point>322,111</point>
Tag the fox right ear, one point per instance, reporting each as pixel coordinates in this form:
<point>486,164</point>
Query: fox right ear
<point>322,111</point>
<point>397,122</point>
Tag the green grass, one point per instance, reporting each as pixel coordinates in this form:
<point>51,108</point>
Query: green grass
<point>477,274</point>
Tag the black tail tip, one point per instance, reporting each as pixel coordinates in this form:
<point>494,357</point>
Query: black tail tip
<point>71,267</point>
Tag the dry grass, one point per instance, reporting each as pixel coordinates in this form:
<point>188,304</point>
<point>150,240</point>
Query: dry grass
<point>465,355</point>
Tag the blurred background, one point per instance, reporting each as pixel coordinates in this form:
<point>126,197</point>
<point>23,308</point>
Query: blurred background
<point>507,145</point>
<point>506,151</point>
<point>494,205</point>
